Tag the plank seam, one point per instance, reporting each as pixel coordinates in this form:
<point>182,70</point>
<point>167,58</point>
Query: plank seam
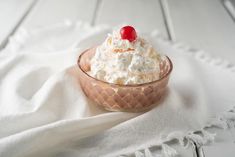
<point>18,24</point>
<point>230,9</point>
<point>167,19</point>
<point>96,10</point>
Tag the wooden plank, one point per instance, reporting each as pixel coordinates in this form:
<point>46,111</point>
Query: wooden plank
<point>144,15</point>
<point>204,25</point>
<point>49,12</point>
<point>218,150</point>
<point>11,13</point>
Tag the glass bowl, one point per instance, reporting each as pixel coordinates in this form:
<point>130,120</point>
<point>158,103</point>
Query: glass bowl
<point>116,97</point>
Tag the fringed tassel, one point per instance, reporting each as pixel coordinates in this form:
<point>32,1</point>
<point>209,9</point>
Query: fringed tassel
<point>148,153</point>
<point>225,121</point>
<point>207,136</point>
<point>229,115</point>
<point>195,138</point>
<point>220,123</point>
<point>139,154</point>
<point>178,136</point>
<point>168,151</point>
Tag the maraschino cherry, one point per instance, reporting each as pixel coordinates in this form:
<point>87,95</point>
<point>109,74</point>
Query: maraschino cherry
<point>128,33</point>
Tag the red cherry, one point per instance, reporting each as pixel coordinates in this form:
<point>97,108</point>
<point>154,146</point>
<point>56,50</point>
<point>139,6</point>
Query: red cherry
<point>128,32</point>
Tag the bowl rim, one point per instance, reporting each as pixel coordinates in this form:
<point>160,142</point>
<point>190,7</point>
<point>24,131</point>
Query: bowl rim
<point>122,85</point>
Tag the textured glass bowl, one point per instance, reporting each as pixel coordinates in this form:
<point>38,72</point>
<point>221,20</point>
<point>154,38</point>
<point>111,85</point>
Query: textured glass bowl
<point>129,98</point>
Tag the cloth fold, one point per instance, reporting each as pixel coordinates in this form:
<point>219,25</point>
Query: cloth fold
<point>45,113</point>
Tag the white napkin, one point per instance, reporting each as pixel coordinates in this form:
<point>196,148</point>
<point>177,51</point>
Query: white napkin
<point>43,111</point>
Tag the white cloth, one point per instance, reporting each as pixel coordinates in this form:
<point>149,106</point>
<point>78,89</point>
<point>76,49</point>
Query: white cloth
<point>43,111</point>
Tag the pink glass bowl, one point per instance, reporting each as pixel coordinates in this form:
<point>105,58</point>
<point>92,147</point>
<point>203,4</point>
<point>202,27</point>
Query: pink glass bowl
<point>129,98</point>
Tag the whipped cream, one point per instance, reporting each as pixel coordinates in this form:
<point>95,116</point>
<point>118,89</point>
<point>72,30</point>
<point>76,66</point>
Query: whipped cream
<point>123,62</point>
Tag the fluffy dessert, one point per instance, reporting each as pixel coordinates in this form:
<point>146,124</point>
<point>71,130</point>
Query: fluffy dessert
<point>124,58</point>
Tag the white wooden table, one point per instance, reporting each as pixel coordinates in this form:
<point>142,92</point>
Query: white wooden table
<point>203,24</point>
